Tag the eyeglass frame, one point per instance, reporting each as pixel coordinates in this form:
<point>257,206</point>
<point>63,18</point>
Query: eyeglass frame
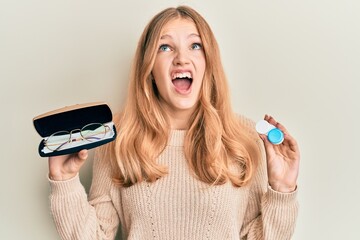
<point>75,139</point>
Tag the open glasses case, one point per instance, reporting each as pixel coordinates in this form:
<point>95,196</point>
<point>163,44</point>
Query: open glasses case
<point>73,120</point>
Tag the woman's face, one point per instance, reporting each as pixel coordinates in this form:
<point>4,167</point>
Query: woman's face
<point>179,67</point>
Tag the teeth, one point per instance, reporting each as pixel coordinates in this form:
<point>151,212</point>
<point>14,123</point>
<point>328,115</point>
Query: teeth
<point>181,75</point>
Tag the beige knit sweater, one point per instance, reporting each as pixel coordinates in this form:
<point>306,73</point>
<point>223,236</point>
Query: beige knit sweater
<point>177,206</point>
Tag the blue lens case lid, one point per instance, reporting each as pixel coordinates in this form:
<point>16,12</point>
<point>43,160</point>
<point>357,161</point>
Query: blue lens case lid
<point>275,136</point>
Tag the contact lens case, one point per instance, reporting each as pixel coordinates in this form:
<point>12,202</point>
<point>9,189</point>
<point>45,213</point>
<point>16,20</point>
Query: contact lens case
<point>274,135</point>
<point>73,128</point>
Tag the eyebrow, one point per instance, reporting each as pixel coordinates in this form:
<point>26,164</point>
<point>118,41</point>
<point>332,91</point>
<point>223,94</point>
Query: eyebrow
<point>190,36</point>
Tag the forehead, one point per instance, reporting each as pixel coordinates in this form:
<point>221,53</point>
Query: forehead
<point>179,25</point>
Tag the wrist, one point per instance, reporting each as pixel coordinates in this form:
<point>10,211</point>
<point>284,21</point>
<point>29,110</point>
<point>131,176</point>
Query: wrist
<point>283,188</point>
<point>61,177</point>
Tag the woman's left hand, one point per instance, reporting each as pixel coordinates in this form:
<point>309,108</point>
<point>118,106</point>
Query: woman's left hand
<point>282,160</point>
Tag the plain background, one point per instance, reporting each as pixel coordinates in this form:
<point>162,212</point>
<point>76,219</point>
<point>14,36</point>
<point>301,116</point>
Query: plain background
<point>296,60</point>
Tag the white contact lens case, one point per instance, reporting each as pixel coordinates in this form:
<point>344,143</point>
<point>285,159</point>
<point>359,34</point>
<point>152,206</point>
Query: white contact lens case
<point>274,135</point>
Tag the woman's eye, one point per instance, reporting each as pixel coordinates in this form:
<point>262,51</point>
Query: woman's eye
<point>196,46</point>
<point>164,48</point>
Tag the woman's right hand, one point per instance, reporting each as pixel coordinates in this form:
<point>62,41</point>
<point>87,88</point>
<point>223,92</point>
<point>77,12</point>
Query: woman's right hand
<point>65,167</point>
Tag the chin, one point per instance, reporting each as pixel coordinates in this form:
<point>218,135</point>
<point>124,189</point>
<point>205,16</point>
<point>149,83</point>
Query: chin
<point>184,106</point>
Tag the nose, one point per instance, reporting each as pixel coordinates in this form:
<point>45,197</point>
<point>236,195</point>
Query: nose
<point>181,57</point>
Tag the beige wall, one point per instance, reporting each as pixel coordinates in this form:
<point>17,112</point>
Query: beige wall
<point>297,60</point>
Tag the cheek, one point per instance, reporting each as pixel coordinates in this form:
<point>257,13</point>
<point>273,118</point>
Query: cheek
<point>159,70</point>
<point>201,65</point>
<point>162,85</point>
<point>201,70</point>
<point>155,72</point>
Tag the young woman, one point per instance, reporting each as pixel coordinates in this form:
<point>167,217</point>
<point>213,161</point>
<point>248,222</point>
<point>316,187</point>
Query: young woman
<point>184,165</point>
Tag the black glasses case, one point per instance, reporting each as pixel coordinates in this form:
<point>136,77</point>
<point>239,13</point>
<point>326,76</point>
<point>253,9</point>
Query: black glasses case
<point>70,118</point>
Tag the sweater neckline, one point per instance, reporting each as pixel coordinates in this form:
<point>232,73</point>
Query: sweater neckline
<point>176,138</point>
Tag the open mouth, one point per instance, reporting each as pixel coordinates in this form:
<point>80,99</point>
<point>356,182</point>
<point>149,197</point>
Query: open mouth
<point>182,82</point>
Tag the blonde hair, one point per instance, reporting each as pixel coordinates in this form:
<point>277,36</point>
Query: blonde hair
<point>215,140</point>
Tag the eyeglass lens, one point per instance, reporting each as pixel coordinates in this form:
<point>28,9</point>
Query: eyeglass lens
<point>91,133</point>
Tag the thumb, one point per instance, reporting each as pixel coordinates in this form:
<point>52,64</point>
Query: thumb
<point>83,154</point>
<point>76,162</point>
<point>81,157</point>
<point>269,148</point>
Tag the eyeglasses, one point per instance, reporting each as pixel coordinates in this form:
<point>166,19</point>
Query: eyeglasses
<point>89,133</point>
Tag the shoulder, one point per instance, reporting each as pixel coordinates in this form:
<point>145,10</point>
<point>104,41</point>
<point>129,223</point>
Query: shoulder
<point>260,177</point>
<point>245,120</point>
<point>116,118</point>
<point>248,126</point>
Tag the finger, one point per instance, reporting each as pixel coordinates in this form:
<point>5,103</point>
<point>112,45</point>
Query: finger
<point>74,164</point>
<point>83,154</point>
<point>288,139</point>
<point>80,158</point>
<point>272,121</point>
<point>267,117</point>
<point>287,136</point>
<point>269,148</point>
<point>59,158</point>
<point>56,162</point>
<point>291,142</point>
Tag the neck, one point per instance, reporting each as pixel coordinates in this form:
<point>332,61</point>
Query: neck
<point>179,120</point>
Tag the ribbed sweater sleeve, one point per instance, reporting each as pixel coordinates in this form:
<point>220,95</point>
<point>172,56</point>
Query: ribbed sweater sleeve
<point>270,215</point>
<point>77,218</point>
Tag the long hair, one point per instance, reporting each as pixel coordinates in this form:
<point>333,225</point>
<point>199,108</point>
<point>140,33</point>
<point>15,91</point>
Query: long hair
<point>215,142</point>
